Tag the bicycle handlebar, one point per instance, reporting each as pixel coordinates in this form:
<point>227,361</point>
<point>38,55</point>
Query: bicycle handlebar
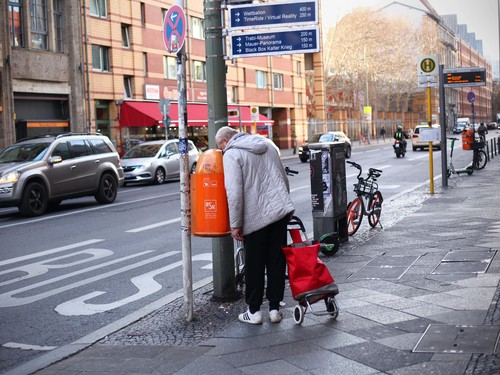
<point>290,172</point>
<point>372,172</point>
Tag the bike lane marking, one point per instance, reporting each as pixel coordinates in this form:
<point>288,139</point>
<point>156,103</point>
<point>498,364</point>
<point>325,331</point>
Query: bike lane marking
<point>49,252</point>
<point>145,283</point>
<point>42,267</point>
<point>7,299</point>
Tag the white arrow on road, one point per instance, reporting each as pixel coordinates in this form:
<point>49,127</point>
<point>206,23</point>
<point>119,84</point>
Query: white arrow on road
<point>146,284</point>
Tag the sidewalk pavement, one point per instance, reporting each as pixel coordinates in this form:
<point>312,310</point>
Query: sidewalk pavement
<point>419,296</point>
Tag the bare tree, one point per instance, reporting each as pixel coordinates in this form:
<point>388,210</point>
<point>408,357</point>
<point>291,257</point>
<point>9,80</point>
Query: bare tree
<point>370,58</point>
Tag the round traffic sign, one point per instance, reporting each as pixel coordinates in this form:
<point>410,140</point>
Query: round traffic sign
<point>427,65</point>
<point>471,97</point>
<point>174,29</point>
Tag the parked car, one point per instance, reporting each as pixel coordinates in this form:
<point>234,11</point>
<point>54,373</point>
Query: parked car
<point>41,172</point>
<point>156,161</point>
<point>492,125</point>
<point>329,137</point>
<point>417,143</point>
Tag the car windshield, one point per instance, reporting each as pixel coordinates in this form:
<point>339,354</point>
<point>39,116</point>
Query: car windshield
<point>329,137</point>
<point>142,151</point>
<point>24,152</point>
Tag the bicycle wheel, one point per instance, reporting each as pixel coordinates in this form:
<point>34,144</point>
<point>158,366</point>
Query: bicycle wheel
<point>480,159</point>
<point>354,216</point>
<point>375,206</point>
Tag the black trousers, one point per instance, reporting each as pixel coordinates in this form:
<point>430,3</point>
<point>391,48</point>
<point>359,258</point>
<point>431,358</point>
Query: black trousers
<point>263,252</point>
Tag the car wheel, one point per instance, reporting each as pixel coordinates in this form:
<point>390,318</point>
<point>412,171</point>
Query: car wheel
<point>348,152</point>
<point>34,201</point>
<point>108,189</point>
<point>159,176</point>
<point>414,148</point>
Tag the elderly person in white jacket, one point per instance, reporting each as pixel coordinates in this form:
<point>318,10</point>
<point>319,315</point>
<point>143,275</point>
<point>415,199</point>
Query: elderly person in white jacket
<point>260,206</point>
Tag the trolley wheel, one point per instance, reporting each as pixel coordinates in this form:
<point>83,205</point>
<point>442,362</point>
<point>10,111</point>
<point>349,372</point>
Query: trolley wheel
<point>329,244</point>
<point>298,314</point>
<point>331,307</point>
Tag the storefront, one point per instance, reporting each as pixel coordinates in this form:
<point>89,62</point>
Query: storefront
<point>143,121</point>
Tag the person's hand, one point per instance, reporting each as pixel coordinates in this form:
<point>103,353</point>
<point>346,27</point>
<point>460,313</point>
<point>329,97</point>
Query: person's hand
<point>237,234</point>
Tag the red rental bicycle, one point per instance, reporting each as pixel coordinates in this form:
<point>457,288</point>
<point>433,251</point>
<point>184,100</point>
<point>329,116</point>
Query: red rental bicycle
<point>367,195</point>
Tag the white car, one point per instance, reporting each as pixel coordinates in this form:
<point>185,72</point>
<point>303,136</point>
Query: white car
<point>417,143</point>
<point>156,161</point>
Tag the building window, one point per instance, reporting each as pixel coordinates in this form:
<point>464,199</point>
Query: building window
<point>16,23</point>
<point>277,81</point>
<point>98,8</point>
<point>143,15</point>
<point>234,96</point>
<point>100,58</point>
<point>58,25</point>
<point>299,68</point>
<point>170,67</point>
<point>260,79</point>
<point>163,14</point>
<point>127,87</point>
<point>299,99</point>
<point>197,28</point>
<point>125,35</point>
<point>39,29</point>
<point>145,63</point>
<point>199,71</point>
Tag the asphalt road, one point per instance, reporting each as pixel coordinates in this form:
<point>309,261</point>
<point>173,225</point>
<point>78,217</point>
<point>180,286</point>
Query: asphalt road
<point>84,266</point>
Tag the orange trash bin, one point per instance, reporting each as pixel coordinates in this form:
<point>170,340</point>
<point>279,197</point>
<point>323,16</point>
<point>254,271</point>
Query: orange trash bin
<point>467,139</point>
<point>209,211</point>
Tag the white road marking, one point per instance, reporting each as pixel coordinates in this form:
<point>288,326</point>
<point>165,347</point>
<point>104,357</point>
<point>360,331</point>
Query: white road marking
<point>48,252</point>
<point>76,212</point>
<point>37,269</point>
<point>15,345</point>
<point>152,226</point>
<point>6,299</point>
<point>145,283</point>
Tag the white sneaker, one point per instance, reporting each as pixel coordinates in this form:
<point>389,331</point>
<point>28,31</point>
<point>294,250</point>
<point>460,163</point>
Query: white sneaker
<point>275,316</point>
<point>248,317</point>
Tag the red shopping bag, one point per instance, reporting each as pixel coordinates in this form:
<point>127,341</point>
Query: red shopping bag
<point>306,271</point>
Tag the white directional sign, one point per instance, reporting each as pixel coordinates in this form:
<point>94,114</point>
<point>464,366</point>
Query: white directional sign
<point>280,42</point>
<point>250,16</point>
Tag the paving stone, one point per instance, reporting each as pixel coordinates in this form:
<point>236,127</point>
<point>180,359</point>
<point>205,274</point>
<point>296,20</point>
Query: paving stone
<point>381,357</point>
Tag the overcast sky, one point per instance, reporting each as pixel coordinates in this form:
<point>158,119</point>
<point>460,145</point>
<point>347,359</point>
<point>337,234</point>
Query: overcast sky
<point>480,16</point>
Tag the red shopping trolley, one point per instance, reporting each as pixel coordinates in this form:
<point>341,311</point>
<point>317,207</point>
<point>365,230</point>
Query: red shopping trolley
<point>310,280</point>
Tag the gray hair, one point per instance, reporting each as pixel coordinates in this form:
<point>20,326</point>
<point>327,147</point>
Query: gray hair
<point>225,132</point>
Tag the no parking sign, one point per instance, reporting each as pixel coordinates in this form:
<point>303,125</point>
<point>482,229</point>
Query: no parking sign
<point>174,29</point>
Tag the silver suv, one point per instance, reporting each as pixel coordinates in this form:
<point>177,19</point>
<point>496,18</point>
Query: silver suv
<point>40,172</point>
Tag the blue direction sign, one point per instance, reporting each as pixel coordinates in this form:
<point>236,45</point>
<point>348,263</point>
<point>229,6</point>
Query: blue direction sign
<point>253,16</point>
<point>268,43</point>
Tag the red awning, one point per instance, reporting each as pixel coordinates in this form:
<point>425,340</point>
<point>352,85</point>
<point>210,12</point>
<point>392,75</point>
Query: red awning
<point>136,113</point>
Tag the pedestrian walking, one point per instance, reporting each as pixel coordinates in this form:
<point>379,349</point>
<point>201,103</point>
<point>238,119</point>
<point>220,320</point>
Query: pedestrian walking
<point>382,133</point>
<point>258,195</point>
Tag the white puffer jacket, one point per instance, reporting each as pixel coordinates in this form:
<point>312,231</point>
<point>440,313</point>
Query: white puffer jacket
<point>256,183</point>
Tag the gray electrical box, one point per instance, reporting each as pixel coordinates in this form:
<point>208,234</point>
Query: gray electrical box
<point>328,189</point>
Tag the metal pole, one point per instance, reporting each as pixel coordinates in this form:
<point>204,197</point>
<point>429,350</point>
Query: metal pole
<point>187,265</point>
<point>442,120</point>
<point>222,247</point>
<point>429,122</point>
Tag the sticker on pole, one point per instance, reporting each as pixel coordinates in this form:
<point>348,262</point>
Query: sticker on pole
<point>174,29</point>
